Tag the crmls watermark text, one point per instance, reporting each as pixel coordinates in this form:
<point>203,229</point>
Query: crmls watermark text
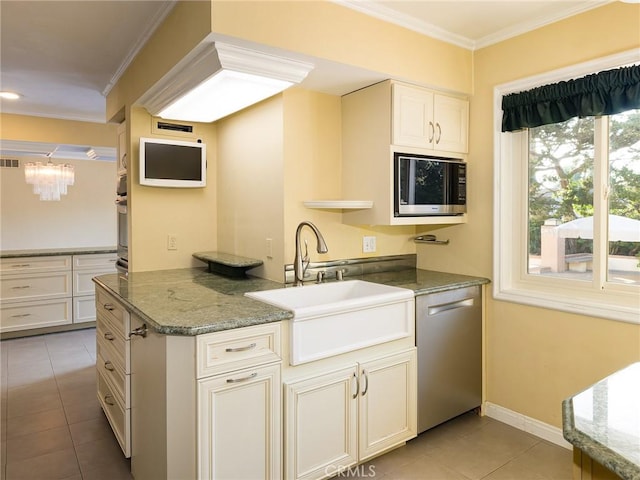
<point>359,471</point>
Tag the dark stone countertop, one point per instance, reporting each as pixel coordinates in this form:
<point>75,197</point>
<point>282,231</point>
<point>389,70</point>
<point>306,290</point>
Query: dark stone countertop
<point>50,252</point>
<point>192,301</point>
<point>604,422</point>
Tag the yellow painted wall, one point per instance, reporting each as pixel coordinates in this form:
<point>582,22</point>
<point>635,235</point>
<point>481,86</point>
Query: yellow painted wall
<point>535,357</point>
<point>156,212</point>
<point>271,158</point>
<point>85,217</point>
<point>326,30</point>
<point>312,139</point>
<point>53,130</point>
<point>251,185</point>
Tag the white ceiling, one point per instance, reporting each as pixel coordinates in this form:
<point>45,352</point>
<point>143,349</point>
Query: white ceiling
<point>64,56</point>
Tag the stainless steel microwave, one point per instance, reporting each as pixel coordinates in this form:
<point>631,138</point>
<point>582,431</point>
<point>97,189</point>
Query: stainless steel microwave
<point>426,185</point>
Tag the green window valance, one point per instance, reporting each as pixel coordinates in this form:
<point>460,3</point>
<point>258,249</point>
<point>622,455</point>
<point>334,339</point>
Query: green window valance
<point>603,93</point>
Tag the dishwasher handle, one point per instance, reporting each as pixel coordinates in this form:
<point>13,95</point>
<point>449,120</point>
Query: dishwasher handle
<point>435,309</point>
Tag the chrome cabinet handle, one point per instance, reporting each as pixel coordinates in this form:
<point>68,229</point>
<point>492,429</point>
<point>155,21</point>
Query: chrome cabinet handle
<point>109,306</point>
<point>21,287</point>
<point>109,366</point>
<point>439,133</point>
<point>106,400</point>
<point>20,315</point>
<point>432,132</point>
<point>243,379</point>
<point>355,377</point>
<point>240,349</point>
<point>366,382</point>
<point>109,336</point>
<point>140,331</point>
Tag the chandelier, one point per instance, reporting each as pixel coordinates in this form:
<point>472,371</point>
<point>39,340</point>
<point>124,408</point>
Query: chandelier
<point>49,180</point>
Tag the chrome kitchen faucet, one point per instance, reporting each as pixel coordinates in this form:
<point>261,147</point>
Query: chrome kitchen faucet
<point>301,263</point>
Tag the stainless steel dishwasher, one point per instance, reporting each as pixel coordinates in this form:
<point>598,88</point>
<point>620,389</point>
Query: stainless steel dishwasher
<point>449,342</point>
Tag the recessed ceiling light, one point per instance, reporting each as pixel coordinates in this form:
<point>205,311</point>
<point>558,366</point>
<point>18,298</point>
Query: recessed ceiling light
<point>9,95</point>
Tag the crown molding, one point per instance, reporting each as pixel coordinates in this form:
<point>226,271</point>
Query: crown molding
<point>386,14</point>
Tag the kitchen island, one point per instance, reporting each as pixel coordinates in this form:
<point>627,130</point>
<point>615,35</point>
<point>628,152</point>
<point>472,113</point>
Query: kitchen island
<point>603,425</point>
<point>196,381</point>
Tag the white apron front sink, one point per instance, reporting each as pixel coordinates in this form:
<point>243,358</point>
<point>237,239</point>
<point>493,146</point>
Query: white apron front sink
<point>334,318</point>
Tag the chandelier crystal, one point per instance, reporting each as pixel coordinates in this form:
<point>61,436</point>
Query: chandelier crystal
<point>49,180</point>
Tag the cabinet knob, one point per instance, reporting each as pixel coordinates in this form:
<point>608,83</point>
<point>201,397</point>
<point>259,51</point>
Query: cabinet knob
<point>109,336</point>
<point>109,366</point>
<point>109,306</point>
<point>107,400</point>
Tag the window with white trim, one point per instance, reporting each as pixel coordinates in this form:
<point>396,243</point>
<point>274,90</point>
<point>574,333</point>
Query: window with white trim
<point>567,209</point>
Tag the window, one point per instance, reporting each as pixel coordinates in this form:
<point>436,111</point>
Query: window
<point>567,210</point>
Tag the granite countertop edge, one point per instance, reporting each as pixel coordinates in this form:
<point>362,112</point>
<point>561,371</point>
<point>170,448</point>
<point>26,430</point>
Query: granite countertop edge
<point>230,293</point>
<point>53,252</point>
<point>612,460</point>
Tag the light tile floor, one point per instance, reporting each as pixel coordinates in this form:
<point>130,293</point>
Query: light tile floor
<point>53,428</point>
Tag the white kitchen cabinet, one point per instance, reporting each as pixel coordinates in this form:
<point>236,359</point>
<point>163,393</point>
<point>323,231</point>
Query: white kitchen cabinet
<point>426,119</point>
<point>35,292</point>
<point>239,431</point>
<point>113,366</point>
<point>391,117</point>
<point>337,419</point>
<point>206,406</point>
<point>85,267</point>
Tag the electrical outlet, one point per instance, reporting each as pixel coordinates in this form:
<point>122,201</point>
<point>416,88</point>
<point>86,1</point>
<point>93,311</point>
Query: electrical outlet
<point>172,242</point>
<point>368,244</point>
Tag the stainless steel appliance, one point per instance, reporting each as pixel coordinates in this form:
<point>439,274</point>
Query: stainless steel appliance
<point>426,185</point>
<point>122,264</point>
<point>449,343</point>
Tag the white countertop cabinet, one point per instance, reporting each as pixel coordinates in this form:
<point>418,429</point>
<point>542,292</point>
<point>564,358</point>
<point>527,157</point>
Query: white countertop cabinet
<point>50,290</point>
<point>338,419</point>
<point>36,292</point>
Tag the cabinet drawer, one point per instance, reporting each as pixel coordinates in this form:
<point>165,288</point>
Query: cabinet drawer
<point>82,283</point>
<point>114,311</point>
<point>35,286</point>
<point>114,375</point>
<point>34,264</point>
<point>235,349</point>
<point>98,261</point>
<point>109,340</point>
<point>84,309</point>
<point>43,313</point>
<point>118,416</point>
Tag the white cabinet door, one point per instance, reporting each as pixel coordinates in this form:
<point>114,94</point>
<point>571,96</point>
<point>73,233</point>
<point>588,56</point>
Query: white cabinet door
<point>321,425</point>
<point>239,425</point>
<point>387,403</point>
<point>451,119</point>
<point>428,120</point>
<point>413,117</point>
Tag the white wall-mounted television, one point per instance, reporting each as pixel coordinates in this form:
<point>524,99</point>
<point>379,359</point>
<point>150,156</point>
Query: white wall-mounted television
<point>172,163</point>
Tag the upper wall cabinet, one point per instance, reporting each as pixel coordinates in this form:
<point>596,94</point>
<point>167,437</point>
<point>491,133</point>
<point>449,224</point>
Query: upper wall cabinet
<point>390,117</point>
<point>430,120</point>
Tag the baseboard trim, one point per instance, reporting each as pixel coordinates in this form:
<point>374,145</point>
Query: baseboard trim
<point>527,424</point>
